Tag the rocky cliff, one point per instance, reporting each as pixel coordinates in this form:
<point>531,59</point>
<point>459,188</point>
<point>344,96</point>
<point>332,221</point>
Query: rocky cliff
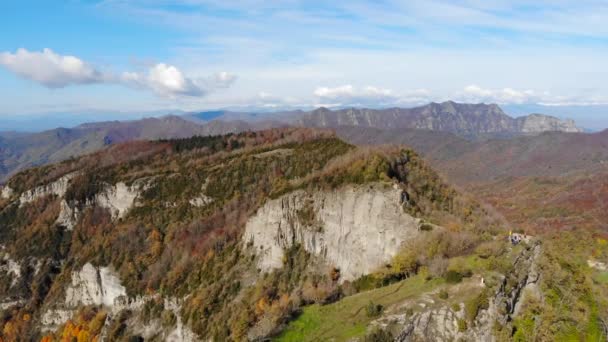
<point>536,123</point>
<point>355,229</point>
<point>496,306</point>
<point>215,238</point>
<point>459,118</point>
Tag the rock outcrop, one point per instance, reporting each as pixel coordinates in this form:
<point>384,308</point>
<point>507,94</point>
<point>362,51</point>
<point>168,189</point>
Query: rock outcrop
<point>6,192</point>
<point>118,199</point>
<point>536,123</point>
<point>444,323</point>
<point>89,286</point>
<point>94,286</point>
<point>101,286</point>
<point>356,229</point>
<point>68,215</point>
<point>57,188</point>
<point>459,118</point>
<point>10,268</point>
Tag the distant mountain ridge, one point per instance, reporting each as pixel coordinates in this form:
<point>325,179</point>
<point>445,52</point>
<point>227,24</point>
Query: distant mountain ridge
<point>458,118</point>
<point>23,150</point>
<point>471,121</point>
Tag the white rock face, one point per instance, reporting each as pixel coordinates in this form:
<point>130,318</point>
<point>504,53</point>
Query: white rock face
<point>52,319</point>
<point>598,265</point>
<point>118,199</point>
<point>6,192</point>
<point>357,229</point>
<point>536,123</point>
<point>201,201</point>
<point>58,188</point>
<point>94,286</point>
<point>68,216</point>
<point>11,267</point>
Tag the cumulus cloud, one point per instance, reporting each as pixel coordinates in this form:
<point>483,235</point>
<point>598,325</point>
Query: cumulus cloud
<point>169,81</point>
<point>51,69</point>
<point>369,95</point>
<point>55,71</point>
<point>474,93</point>
<point>349,95</point>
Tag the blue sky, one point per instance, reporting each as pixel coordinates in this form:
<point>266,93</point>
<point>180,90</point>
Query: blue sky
<point>146,55</point>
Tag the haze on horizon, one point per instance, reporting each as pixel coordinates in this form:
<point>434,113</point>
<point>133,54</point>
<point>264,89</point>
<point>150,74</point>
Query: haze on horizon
<point>116,56</point>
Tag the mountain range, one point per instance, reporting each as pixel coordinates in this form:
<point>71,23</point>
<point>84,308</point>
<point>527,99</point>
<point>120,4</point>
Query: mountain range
<point>240,229</point>
<point>472,121</point>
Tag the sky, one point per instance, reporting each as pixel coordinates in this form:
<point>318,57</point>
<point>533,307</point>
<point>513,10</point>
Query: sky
<point>153,55</point>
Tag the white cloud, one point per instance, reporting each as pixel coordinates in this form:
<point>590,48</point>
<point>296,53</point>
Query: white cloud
<point>51,69</point>
<point>168,81</point>
<point>474,93</point>
<point>223,79</point>
<point>56,71</point>
<point>347,95</point>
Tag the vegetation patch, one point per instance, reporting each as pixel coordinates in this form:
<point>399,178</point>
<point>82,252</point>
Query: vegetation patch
<point>348,317</point>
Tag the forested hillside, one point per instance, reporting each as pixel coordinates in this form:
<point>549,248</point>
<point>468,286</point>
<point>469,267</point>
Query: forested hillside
<point>270,234</point>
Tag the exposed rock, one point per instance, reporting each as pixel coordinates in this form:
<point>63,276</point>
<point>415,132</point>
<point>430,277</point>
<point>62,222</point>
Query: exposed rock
<point>58,188</point>
<point>118,199</point>
<point>357,228</point>
<point>94,286</point>
<point>201,201</point>
<point>598,265</point>
<point>182,334</point>
<point>90,286</point>
<point>441,323</point>
<point>6,192</point>
<point>459,118</point>
<point>68,215</point>
<point>9,304</point>
<point>536,123</point>
<point>530,288</point>
<point>52,319</point>
<point>11,267</point>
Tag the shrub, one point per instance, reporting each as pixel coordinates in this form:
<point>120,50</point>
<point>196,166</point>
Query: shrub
<point>373,310</point>
<point>453,277</point>
<point>379,335</point>
<point>438,266</point>
<point>475,304</point>
<point>426,227</point>
<point>490,248</point>
<point>462,325</point>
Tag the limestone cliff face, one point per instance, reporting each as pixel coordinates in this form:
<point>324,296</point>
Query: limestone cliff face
<point>118,198</point>
<point>436,322</point>
<point>356,229</point>
<point>101,286</point>
<point>89,286</point>
<point>94,286</point>
<point>58,188</point>
<point>459,118</point>
<point>6,192</point>
<point>536,123</point>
